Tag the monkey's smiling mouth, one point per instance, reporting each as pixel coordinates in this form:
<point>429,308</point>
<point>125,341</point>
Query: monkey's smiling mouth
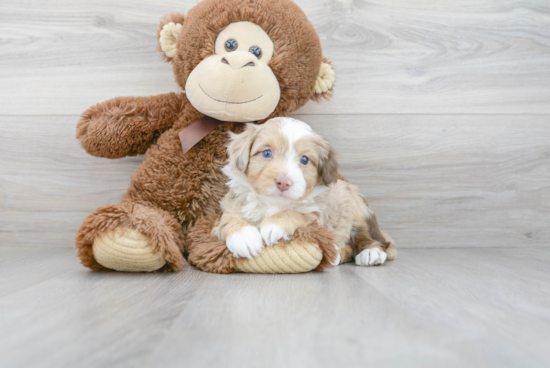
<point>228,102</point>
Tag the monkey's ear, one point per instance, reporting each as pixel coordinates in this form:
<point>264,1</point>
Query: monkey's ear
<point>325,81</point>
<point>169,29</point>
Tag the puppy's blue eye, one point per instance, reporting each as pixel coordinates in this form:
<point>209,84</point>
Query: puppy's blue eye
<point>267,153</point>
<point>256,51</point>
<point>231,45</point>
<point>304,160</point>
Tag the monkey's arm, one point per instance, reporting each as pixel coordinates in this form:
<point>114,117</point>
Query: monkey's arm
<point>128,126</point>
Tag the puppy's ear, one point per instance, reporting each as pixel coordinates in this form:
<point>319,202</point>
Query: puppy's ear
<point>328,165</point>
<point>239,148</point>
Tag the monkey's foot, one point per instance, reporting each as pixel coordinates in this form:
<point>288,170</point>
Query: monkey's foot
<point>126,250</point>
<point>130,237</point>
<point>295,257</point>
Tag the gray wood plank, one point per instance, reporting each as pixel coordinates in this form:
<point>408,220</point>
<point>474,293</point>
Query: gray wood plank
<point>49,184</point>
<point>21,267</point>
<point>87,319</point>
<point>429,308</point>
<point>334,319</point>
<point>434,181</point>
<point>494,292</point>
<point>401,56</point>
<point>449,181</point>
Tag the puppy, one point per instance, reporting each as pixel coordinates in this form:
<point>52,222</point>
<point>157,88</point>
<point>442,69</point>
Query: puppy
<point>283,176</point>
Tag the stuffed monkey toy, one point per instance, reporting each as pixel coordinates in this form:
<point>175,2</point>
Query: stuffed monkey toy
<point>237,61</point>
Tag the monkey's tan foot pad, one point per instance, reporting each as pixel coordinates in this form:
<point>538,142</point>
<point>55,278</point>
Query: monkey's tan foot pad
<point>295,257</point>
<point>126,250</point>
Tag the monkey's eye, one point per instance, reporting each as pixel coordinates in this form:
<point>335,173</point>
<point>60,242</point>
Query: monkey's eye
<point>231,45</point>
<point>304,160</point>
<point>267,153</point>
<point>256,51</point>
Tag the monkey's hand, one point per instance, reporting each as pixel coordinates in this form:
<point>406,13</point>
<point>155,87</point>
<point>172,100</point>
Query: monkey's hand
<point>127,126</point>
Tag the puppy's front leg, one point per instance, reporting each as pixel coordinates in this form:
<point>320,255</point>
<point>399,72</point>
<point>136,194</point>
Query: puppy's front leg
<point>282,225</point>
<point>241,238</point>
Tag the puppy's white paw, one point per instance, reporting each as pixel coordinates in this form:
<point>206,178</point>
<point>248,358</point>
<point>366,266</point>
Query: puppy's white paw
<point>371,257</point>
<point>338,258</point>
<point>246,242</point>
<point>272,233</point>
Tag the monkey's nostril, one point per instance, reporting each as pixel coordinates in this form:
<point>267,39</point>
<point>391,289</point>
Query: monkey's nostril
<point>224,60</point>
<point>250,63</point>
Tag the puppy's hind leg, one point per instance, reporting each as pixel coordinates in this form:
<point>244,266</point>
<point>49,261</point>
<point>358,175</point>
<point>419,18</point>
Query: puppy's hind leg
<point>371,255</point>
<point>373,246</point>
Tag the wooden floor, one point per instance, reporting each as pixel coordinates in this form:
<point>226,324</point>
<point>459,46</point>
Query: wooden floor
<point>429,308</point>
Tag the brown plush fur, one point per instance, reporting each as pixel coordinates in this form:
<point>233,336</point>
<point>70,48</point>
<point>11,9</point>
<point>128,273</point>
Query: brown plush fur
<point>163,230</point>
<point>207,253</point>
<point>170,191</point>
<point>297,56</point>
<point>127,126</point>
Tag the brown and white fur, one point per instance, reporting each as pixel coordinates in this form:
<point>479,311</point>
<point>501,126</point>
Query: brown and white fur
<point>272,194</point>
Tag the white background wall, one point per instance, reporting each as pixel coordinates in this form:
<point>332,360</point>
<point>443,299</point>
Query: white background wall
<point>441,112</point>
